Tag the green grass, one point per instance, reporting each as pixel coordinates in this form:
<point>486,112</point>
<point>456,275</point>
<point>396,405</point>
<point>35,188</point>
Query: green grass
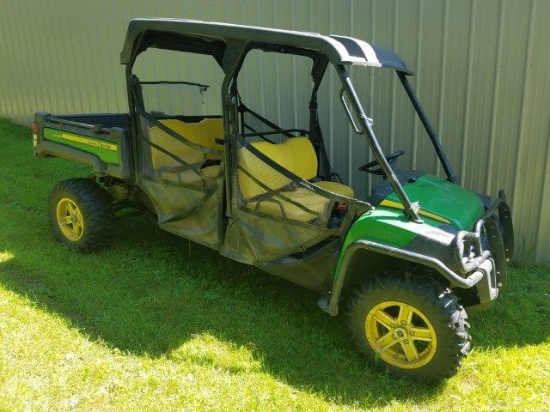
<point>156,323</point>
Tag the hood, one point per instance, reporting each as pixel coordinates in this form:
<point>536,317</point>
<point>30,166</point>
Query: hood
<point>440,200</point>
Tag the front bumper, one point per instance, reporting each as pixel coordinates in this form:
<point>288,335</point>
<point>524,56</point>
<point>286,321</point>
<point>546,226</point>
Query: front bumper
<point>493,236</point>
<point>484,253</point>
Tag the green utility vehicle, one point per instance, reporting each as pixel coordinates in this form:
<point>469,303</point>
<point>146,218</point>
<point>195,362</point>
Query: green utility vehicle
<point>403,260</point>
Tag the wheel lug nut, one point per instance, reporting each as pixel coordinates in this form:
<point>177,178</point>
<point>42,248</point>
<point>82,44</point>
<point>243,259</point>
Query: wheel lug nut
<point>406,341</point>
<point>403,322</point>
<point>411,332</point>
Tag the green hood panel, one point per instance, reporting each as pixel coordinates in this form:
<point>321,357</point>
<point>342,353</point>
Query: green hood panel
<point>441,200</point>
<point>443,205</point>
<point>388,226</point>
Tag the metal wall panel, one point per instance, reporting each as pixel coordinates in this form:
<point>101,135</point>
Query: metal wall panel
<point>531,182</point>
<point>482,76</point>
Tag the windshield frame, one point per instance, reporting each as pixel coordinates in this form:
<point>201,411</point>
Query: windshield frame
<point>364,127</point>
<point>410,209</point>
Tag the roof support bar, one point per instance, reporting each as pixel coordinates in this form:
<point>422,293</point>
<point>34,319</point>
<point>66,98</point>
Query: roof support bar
<point>409,209</point>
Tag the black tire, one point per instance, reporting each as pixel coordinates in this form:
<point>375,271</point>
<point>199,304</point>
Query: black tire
<point>81,214</point>
<point>410,327</point>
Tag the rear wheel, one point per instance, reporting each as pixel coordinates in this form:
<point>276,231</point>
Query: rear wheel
<point>81,214</point>
<point>411,327</point>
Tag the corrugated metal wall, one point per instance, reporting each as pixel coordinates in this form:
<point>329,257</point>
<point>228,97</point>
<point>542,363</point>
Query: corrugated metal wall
<point>482,69</point>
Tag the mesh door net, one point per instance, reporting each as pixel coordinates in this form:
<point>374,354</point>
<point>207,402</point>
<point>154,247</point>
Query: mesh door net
<point>266,187</point>
<point>183,152</point>
<point>182,174</point>
<point>277,212</point>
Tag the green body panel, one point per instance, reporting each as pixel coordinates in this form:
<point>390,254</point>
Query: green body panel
<point>105,150</point>
<point>461,207</point>
<point>446,202</point>
<point>388,226</point>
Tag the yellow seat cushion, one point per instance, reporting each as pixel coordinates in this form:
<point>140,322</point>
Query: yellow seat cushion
<point>314,205</point>
<point>298,157</point>
<point>335,187</point>
<point>211,172</point>
<point>203,133</point>
<point>260,170</point>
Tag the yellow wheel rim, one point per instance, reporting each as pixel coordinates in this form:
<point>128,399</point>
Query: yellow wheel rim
<point>400,335</point>
<point>69,219</point>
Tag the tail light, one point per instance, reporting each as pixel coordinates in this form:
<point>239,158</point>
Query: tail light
<point>34,128</point>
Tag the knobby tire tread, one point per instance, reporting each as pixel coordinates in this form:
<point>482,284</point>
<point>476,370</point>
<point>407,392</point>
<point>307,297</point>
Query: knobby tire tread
<point>448,317</point>
<point>96,206</point>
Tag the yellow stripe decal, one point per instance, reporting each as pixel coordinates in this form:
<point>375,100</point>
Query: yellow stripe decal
<point>397,205</point>
<point>89,142</point>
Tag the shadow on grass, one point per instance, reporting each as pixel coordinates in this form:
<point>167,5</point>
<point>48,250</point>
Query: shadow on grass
<point>152,292</point>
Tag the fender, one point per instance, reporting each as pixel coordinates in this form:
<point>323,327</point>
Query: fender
<point>331,305</point>
<point>487,271</point>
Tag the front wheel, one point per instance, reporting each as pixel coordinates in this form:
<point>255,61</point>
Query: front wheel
<point>411,327</point>
<point>81,214</point>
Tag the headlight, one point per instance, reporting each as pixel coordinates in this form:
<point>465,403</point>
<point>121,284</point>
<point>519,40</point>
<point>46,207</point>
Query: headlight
<point>469,254</point>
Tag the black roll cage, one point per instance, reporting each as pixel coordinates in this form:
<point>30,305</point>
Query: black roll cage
<point>229,45</point>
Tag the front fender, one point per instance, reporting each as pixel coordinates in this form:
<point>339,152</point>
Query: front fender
<point>462,258</point>
<point>331,306</point>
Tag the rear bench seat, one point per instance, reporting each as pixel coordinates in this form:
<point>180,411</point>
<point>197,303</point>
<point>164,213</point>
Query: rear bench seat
<point>203,133</point>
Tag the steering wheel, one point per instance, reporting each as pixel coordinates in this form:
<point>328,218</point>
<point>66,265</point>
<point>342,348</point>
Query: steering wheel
<point>391,158</point>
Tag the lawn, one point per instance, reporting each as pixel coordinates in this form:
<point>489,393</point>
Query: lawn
<point>156,323</point>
